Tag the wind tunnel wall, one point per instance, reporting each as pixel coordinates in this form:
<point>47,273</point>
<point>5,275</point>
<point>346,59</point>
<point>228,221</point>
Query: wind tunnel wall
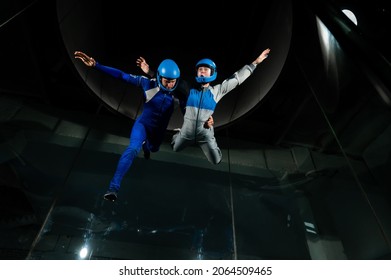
<point>116,36</point>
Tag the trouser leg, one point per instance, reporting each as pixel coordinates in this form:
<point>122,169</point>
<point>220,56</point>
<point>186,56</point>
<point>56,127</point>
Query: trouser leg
<point>210,148</point>
<point>137,137</point>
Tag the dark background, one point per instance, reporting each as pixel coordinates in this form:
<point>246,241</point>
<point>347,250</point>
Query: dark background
<point>305,140</point>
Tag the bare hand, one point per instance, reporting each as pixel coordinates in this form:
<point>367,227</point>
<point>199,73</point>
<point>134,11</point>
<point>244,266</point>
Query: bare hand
<point>209,123</point>
<point>142,63</point>
<point>89,61</point>
<point>262,56</point>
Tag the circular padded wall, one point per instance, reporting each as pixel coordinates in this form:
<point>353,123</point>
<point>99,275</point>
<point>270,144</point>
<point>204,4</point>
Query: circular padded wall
<point>230,35</point>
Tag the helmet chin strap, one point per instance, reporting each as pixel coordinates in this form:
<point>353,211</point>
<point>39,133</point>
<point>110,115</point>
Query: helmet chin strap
<point>204,80</point>
<point>203,84</point>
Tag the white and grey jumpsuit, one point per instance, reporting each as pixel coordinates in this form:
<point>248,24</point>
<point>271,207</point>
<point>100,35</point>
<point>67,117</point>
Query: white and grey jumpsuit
<point>200,105</point>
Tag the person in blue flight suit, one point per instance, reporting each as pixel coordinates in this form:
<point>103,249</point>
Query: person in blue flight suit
<point>149,128</point>
<point>201,103</point>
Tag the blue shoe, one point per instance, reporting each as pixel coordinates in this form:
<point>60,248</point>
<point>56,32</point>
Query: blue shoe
<point>110,195</point>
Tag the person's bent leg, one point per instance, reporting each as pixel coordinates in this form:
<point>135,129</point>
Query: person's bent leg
<point>155,139</point>
<point>211,149</point>
<point>184,137</point>
<point>177,142</point>
<point>212,152</point>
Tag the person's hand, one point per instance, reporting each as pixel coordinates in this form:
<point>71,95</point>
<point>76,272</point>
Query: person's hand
<point>262,56</point>
<point>89,61</point>
<point>209,123</point>
<point>142,63</point>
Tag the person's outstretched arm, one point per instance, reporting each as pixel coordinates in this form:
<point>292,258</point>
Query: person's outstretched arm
<point>89,61</point>
<point>114,72</point>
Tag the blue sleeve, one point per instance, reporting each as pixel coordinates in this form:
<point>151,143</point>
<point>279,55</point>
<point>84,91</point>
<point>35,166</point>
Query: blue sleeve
<point>118,74</point>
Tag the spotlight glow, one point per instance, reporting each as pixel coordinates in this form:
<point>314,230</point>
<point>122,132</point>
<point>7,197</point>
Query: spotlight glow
<point>350,15</point>
<point>83,252</point>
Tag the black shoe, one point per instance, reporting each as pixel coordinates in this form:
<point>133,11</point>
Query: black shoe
<point>110,196</point>
<point>147,153</point>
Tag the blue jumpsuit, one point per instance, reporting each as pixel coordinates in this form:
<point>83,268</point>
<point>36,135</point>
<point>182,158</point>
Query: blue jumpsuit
<point>150,126</point>
<point>201,104</point>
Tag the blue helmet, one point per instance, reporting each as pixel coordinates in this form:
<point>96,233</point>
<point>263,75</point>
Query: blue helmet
<point>210,64</point>
<point>168,69</point>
